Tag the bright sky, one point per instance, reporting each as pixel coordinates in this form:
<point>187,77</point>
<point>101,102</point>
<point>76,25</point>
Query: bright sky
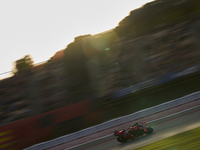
<point>42,27</point>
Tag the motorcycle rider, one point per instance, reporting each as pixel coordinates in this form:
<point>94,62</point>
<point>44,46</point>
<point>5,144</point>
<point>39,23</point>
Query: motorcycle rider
<point>128,134</point>
<point>138,129</point>
<point>134,131</point>
<point>131,132</point>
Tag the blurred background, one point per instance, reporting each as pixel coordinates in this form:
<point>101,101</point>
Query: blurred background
<point>151,57</point>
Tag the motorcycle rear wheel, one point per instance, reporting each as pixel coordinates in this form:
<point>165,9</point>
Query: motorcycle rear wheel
<point>120,139</point>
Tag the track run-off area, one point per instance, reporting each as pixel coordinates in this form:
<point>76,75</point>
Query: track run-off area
<point>161,131</point>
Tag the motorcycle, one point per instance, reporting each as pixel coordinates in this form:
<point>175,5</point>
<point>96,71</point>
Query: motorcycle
<point>129,134</point>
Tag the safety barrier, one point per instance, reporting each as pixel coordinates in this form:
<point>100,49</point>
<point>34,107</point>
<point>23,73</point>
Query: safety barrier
<point>116,122</point>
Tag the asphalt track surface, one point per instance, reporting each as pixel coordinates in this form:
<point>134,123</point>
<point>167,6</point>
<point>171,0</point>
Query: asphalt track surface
<point>161,131</point>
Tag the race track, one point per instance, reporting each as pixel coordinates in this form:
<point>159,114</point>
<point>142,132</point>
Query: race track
<point>161,131</point>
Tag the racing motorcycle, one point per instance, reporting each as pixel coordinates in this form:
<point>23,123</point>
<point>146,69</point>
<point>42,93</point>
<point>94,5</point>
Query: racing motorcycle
<point>135,131</point>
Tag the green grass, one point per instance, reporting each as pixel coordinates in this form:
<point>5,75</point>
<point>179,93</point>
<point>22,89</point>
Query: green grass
<point>189,140</point>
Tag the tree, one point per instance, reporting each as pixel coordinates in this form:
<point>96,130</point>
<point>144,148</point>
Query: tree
<point>23,65</point>
<point>154,13</point>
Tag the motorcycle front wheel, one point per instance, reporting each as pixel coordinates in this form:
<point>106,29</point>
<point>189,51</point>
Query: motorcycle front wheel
<point>149,130</point>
